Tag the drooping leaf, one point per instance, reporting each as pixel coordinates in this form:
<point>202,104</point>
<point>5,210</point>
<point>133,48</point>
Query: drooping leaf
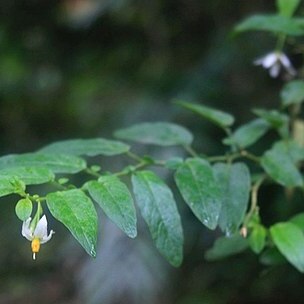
<point>273,117</point>
<point>196,182</point>
<point>89,147</point>
<point>292,93</point>
<point>234,183</point>
<point>57,163</point>
<point>116,201</point>
<point>257,238</point>
<point>76,211</point>
<point>158,208</point>
<point>156,133</point>
<point>287,7</point>
<point>248,134</point>
<point>30,176</point>
<point>280,166</point>
<point>226,246</point>
<point>220,118</point>
<point>271,23</point>
<point>24,209</point>
<point>10,185</point>
<point>290,241</point>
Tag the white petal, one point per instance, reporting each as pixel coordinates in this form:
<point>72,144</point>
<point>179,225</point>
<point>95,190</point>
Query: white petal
<point>275,70</point>
<point>267,61</point>
<point>26,230</point>
<point>41,228</point>
<point>285,60</point>
<point>47,238</point>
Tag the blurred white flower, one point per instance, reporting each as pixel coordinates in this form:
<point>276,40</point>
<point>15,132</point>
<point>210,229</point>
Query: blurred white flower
<point>274,61</point>
<point>37,235</point>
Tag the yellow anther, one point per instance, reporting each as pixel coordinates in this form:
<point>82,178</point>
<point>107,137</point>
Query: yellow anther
<point>35,247</point>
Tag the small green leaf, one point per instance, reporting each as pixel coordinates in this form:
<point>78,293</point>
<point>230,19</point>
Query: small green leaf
<point>257,238</point>
<point>292,93</point>
<point>287,7</point>
<point>290,241</point>
<point>226,246</point>
<point>156,133</point>
<point>220,118</point>
<point>24,209</point>
<point>89,147</point>
<point>158,208</point>
<point>57,163</point>
<point>248,134</point>
<point>116,201</point>
<point>76,211</point>
<point>10,185</point>
<point>234,182</point>
<point>271,23</point>
<point>173,163</point>
<point>280,166</point>
<point>273,117</point>
<point>30,176</point>
<point>272,257</point>
<point>291,148</point>
<point>196,182</point>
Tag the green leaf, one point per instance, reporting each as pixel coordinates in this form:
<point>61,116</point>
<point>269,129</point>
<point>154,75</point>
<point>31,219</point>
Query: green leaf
<point>226,246</point>
<point>292,93</point>
<point>291,148</point>
<point>273,117</point>
<point>76,211</point>
<point>30,176</point>
<point>290,241</point>
<point>116,201</point>
<point>248,134</point>
<point>234,182</point>
<point>156,133</point>
<point>271,23</point>
<point>173,163</point>
<point>257,238</point>
<point>271,257</point>
<point>287,7</point>
<point>10,185</point>
<point>196,182</point>
<point>280,166</point>
<point>89,147</point>
<point>24,209</point>
<point>220,118</point>
<point>158,208</point>
<point>57,163</point>
<point>298,220</point>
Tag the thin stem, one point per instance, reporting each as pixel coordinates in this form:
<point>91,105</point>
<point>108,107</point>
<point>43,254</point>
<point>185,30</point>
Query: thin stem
<point>134,156</point>
<point>92,172</point>
<point>280,42</point>
<point>250,156</point>
<point>190,150</point>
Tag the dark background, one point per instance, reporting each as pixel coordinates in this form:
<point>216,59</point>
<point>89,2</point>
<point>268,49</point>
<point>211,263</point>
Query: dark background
<point>83,68</point>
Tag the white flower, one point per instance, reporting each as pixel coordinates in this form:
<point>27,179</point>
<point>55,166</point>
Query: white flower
<point>274,61</point>
<point>37,235</point>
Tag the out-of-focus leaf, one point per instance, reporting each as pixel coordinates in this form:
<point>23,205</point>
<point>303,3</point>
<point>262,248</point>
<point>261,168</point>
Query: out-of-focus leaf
<point>273,117</point>
<point>116,201</point>
<point>292,93</point>
<point>226,246</point>
<point>158,208</point>
<point>271,23</point>
<point>76,211</point>
<point>257,238</point>
<point>290,241</point>
<point>57,163</point>
<point>290,148</point>
<point>90,147</point>
<point>298,220</point>
<point>220,118</point>
<point>24,209</point>
<point>248,134</point>
<point>287,7</point>
<point>234,182</point>
<point>196,182</point>
<point>30,176</point>
<point>173,163</point>
<point>156,133</point>
<point>280,166</point>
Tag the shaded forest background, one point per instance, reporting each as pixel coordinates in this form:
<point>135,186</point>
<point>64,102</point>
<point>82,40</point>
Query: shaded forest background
<point>83,68</point>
